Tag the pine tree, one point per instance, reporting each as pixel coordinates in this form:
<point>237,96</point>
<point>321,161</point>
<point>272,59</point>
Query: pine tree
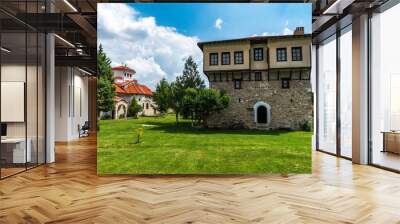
<point>105,86</point>
<point>190,77</point>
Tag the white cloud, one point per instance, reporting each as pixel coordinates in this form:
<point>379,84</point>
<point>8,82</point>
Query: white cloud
<point>264,34</point>
<point>154,51</point>
<point>218,23</point>
<point>286,30</point>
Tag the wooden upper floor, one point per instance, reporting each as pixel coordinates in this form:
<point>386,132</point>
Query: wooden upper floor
<point>257,53</point>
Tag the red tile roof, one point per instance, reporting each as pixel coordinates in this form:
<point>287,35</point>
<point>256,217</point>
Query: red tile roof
<point>132,88</point>
<point>123,68</point>
<point>118,99</point>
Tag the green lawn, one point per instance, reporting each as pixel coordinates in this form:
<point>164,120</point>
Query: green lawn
<point>168,149</point>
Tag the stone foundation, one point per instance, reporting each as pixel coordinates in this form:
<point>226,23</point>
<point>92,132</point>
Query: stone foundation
<point>290,108</point>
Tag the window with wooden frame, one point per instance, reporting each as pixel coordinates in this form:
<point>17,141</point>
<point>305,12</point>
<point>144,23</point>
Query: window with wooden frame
<point>213,58</point>
<point>297,54</point>
<point>281,54</point>
<point>238,84</point>
<point>258,54</point>
<point>226,58</point>
<point>238,57</point>
<point>285,83</point>
<point>257,76</point>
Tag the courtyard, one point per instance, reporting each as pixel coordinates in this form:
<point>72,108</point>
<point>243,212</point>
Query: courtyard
<point>167,148</point>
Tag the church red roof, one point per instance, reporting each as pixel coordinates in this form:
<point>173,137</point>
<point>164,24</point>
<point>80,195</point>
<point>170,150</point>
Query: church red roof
<point>132,88</point>
<point>123,68</point>
<point>118,99</point>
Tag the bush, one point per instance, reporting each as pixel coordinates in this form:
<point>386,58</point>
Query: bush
<point>134,108</point>
<point>106,117</point>
<point>121,116</point>
<point>139,134</point>
<point>306,125</point>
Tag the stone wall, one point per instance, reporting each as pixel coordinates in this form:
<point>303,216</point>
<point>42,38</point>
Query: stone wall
<point>290,108</point>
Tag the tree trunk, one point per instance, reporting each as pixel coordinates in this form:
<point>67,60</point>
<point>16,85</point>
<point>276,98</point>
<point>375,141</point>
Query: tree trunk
<point>192,119</point>
<point>177,118</point>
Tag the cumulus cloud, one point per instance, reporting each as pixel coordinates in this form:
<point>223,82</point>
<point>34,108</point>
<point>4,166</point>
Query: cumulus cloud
<point>286,30</point>
<point>154,51</point>
<point>218,23</point>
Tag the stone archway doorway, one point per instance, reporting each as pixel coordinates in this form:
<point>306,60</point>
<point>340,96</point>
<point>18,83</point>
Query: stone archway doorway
<point>262,115</point>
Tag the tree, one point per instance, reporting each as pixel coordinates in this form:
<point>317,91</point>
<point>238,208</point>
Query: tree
<point>104,65</point>
<point>190,104</point>
<point>176,96</point>
<point>172,95</point>
<point>105,95</point>
<point>204,102</point>
<point>210,101</point>
<point>190,77</point>
<point>162,96</point>
<point>105,86</point>
<point>134,108</point>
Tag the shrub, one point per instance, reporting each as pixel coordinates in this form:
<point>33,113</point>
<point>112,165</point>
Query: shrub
<point>139,134</point>
<point>306,125</point>
<point>134,109</point>
<point>106,117</point>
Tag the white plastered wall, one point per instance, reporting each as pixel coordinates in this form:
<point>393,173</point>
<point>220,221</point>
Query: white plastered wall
<point>71,102</point>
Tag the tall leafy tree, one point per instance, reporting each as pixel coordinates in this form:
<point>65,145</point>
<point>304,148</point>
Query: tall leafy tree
<point>176,97</point>
<point>172,95</point>
<point>162,96</point>
<point>190,104</point>
<point>105,87</point>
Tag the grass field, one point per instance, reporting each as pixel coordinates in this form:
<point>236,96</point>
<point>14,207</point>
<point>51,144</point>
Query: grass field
<point>169,149</point>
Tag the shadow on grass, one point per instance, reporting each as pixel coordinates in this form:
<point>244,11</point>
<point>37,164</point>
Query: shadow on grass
<point>184,127</point>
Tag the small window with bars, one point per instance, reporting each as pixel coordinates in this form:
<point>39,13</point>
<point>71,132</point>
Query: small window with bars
<point>238,84</point>
<point>285,83</point>
<point>257,76</point>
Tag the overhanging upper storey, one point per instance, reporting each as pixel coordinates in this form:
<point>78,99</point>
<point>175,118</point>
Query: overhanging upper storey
<point>259,53</point>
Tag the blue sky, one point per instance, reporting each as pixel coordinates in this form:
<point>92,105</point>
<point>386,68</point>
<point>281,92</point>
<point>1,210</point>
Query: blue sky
<point>238,19</point>
<point>156,38</point>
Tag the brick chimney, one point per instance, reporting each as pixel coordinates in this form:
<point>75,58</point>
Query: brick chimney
<point>298,31</point>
